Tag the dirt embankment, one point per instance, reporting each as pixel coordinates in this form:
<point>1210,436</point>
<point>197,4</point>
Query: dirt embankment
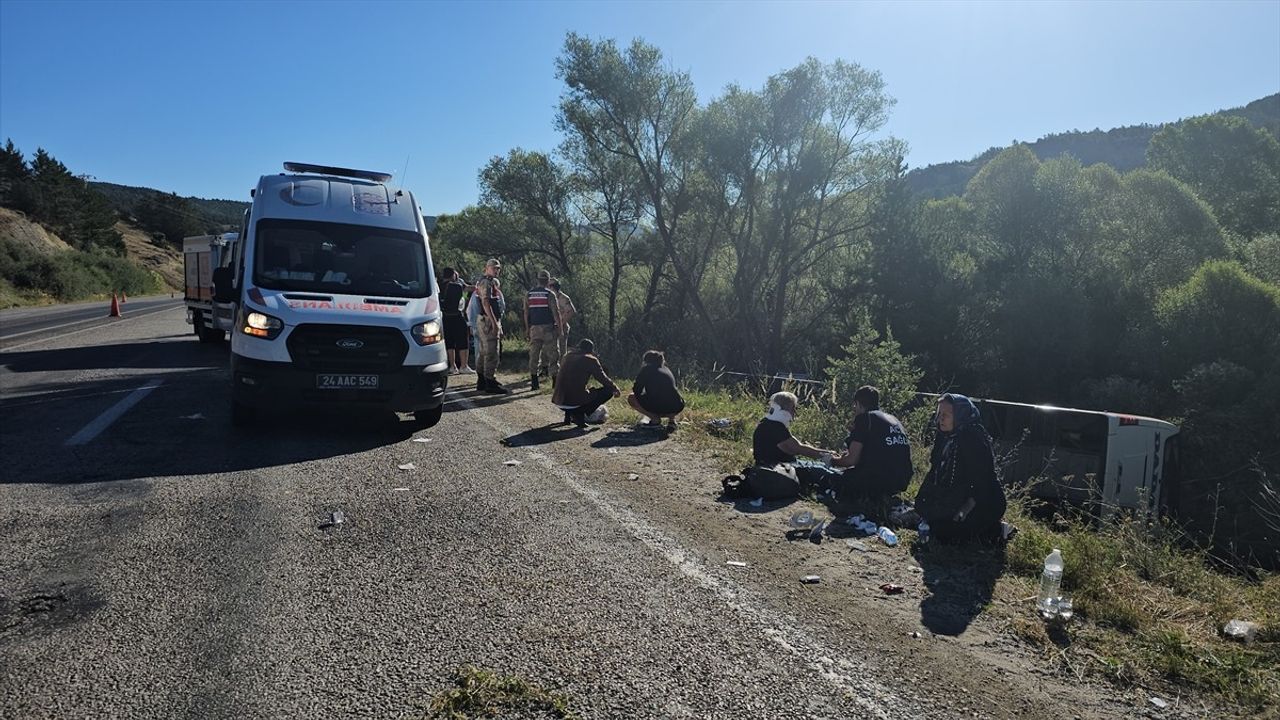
<point>16,228</point>
<point>164,259</point>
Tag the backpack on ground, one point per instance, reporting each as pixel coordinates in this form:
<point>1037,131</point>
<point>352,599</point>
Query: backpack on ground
<point>773,483</point>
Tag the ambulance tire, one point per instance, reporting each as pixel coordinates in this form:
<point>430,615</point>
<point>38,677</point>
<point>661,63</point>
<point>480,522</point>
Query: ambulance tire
<point>242,415</point>
<point>428,418</point>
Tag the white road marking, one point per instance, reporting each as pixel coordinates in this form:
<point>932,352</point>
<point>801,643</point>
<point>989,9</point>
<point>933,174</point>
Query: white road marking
<point>75,332</point>
<point>853,680</point>
<point>113,413</point>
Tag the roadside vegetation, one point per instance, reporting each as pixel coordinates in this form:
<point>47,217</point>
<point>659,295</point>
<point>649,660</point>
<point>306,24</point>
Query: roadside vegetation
<point>482,693</point>
<point>28,277</point>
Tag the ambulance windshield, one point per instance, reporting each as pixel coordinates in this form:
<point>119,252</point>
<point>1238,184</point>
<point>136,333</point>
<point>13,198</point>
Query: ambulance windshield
<point>325,257</point>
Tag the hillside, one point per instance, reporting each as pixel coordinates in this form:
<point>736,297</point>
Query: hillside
<point>38,267</point>
<point>161,258</point>
<point>1123,148</point>
<point>209,214</point>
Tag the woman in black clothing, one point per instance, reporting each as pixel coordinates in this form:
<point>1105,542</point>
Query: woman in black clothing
<point>655,395</point>
<point>961,497</point>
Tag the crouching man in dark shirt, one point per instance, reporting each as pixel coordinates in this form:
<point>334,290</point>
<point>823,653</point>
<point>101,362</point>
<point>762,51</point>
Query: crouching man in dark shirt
<point>877,453</point>
<point>654,394</point>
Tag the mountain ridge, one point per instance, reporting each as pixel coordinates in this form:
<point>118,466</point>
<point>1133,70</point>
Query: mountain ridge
<point>1123,148</point>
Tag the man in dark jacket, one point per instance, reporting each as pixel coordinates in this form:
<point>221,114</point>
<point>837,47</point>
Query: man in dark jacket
<point>577,368</point>
<point>877,452</point>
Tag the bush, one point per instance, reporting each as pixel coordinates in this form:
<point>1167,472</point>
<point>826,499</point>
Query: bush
<point>73,274</point>
<point>1221,313</point>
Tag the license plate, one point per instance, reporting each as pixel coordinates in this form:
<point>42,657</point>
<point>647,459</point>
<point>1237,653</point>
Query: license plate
<point>346,382</point>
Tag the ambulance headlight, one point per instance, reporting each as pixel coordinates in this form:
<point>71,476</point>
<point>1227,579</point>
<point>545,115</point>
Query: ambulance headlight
<point>427,332</point>
<point>261,325</point>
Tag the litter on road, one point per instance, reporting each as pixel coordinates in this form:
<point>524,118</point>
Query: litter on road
<point>613,451</point>
<point>399,489</point>
<point>407,466</point>
<point>801,519</point>
<point>892,589</point>
<point>335,518</point>
<point>422,440</point>
<point>811,579</point>
<point>735,563</point>
<point>1160,703</point>
<point>511,463</point>
<point>633,476</point>
<point>758,502</point>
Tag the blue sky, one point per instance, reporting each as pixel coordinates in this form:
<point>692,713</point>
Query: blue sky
<point>202,97</point>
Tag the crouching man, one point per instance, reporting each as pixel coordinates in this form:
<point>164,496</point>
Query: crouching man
<point>577,368</point>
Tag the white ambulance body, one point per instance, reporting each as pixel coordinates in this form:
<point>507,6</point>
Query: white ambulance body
<point>335,297</point>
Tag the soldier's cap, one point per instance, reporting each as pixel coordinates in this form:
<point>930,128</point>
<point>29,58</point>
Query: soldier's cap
<point>493,262</point>
<point>544,276</point>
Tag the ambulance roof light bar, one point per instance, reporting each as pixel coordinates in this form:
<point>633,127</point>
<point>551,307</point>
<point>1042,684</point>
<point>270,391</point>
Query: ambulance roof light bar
<point>373,175</point>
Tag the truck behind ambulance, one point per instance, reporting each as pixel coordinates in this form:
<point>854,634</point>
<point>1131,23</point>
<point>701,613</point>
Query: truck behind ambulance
<point>201,255</point>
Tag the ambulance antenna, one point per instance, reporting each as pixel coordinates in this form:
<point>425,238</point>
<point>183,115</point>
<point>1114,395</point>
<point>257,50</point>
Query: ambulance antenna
<point>405,173</point>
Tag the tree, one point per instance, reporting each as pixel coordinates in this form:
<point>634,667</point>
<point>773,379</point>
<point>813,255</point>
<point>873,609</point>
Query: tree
<point>611,205</point>
<point>1161,232</point>
<point>170,216</point>
<point>1232,165</point>
<point>630,106</point>
<point>15,178</point>
<point>1221,313</point>
<point>534,191</point>
<point>796,174</point>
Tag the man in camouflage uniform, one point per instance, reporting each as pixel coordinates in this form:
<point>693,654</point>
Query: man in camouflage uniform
<point>542,318</point>
<point>492,306</point>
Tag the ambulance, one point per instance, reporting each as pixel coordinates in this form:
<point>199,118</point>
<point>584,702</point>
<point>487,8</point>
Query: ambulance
<point>334,298</point>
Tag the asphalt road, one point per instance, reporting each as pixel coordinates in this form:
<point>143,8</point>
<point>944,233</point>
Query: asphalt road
<point>26,326</point>
<point>154,562</point>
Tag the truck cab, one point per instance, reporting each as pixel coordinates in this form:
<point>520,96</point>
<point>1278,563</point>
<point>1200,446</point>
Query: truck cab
<point>334,297</point>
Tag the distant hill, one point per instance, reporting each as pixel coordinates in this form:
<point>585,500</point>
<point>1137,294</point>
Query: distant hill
<point>1122,148</point>
<point>211,214</point>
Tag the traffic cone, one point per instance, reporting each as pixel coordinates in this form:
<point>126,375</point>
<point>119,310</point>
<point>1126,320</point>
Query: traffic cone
<point>115,307</point>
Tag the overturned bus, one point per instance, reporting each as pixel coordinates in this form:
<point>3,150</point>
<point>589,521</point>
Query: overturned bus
<point>1099,461</point>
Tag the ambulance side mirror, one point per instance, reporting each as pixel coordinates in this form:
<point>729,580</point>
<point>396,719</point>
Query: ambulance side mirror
<point>222,290</point>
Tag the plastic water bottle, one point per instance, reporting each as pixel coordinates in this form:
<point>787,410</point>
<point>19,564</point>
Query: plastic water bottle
<point>889,537</point>
<point>923,529</point>
<point>1050,585</point>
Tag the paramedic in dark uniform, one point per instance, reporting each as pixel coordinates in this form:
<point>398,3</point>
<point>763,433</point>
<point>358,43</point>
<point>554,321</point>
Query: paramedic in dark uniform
<point>877,452</point>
